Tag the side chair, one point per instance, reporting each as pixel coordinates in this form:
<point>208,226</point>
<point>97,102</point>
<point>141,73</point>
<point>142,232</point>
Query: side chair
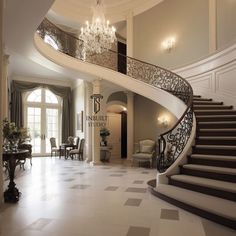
<point>54,148</point>
<point>78,152</point>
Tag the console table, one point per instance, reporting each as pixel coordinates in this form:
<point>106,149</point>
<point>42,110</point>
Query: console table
<point>105,153</point>
<point>12,194</point>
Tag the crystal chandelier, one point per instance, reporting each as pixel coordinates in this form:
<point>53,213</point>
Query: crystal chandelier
<point>98,36</point>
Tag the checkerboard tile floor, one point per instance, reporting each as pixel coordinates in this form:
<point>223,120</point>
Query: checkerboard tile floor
<point>72,198</point>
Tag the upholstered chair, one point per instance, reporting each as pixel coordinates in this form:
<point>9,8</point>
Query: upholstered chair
<point>145,152</point>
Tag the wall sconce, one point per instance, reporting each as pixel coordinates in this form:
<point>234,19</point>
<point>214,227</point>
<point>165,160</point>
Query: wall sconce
<point>169,44</point>
<point>163,120</point>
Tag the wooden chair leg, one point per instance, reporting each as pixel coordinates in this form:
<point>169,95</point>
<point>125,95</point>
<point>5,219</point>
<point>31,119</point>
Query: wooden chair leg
<point>22,165</point>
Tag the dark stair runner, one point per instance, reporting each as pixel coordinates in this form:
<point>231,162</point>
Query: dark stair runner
<point>211,168</point>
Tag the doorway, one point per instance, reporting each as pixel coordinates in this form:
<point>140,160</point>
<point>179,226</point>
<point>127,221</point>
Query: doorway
<point>114,139</point>
<point>42,116</point>
<point>117,124</point>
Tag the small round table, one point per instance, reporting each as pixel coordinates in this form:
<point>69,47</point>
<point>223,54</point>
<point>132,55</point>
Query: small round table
<point>12,158</point>
<point>63,147</point>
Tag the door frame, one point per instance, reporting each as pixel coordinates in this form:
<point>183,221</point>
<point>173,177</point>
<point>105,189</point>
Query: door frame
<point>43,105</point>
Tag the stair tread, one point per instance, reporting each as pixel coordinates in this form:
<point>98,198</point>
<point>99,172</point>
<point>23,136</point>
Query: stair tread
<point>212,204</point>
<point>212,169</point>
<point>217,137</point>
<point>217,116</point>
<point>210,105</point>
<point>200,98</point>
<point>216,110</point>
<point>206,101</point>
<point>205,182</point>
<point>214,157</point>
<point>216,122</point>
<point>214,129</point>
<point>216,146</point>
<point>197,102</point>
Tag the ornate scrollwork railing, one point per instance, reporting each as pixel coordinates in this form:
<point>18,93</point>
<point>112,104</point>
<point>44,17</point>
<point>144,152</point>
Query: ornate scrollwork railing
<point>172,142</point>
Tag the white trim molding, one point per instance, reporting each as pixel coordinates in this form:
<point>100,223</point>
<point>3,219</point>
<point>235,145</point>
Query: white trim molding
<point>214,76</point>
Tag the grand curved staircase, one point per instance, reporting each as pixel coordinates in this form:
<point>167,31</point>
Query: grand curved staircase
<point>206,184</point>
<point>154,82</point>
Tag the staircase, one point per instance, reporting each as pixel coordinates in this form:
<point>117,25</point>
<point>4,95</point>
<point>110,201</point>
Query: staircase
<point>206,185</point>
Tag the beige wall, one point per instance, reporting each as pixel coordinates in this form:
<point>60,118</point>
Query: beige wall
<point>187,20</point>
<point>226,22</point>
<point>146,113</point>
<point>78,106</point>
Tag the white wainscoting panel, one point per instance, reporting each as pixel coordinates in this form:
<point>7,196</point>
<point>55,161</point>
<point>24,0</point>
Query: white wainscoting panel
<point>226,81</point>
<point>214,77</point>
<point>201,83</point>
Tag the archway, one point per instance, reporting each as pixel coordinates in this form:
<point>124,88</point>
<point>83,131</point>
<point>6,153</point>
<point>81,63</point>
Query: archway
<point>42,116</point>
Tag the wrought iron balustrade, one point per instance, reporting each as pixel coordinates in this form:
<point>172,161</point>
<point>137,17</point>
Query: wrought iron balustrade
<point>172,142</point>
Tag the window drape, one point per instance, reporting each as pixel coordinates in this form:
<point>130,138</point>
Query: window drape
<point>19,87</point>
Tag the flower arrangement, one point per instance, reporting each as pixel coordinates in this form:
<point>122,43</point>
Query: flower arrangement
<point>13,136</point>
<point>104,132</point>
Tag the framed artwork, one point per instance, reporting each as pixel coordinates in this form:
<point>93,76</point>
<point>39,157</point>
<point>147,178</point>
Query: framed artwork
<point>79,121</point>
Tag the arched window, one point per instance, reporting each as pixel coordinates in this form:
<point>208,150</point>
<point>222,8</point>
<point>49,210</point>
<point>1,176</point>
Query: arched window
<point>43,118</point>
<point>35,96</point>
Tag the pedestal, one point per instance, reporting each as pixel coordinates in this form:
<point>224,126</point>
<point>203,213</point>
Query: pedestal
<point>12,194</point>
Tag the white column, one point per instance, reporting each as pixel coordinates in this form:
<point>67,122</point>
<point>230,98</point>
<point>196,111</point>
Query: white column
<point>212,26</point>
<point>88,130</point>
<point>1,98</point>
<point>96,129</point>
<point>130,34</point>
<point>130,124</point>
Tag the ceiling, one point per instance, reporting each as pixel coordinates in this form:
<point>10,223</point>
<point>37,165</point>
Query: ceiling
<point>21,19</point>
<point>81,10</point>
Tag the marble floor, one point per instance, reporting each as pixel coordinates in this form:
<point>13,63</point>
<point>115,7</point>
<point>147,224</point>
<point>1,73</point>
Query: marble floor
<point>72,198</point>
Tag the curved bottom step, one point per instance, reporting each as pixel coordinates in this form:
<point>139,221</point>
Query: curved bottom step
<point>152,183</point>
<point>216,209</point>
